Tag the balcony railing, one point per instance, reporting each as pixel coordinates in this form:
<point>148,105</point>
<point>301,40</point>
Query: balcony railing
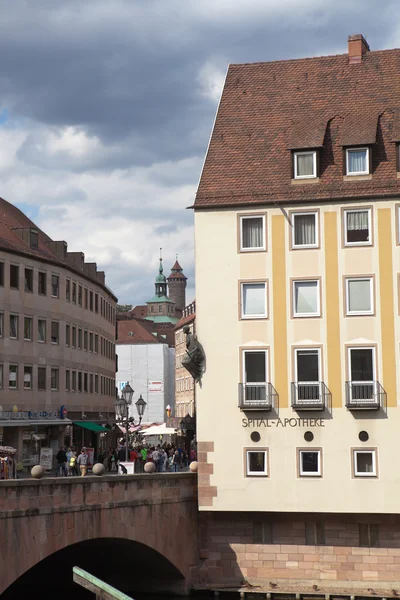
<point>309,395</point>
<point>257,396</point>
<point>368,395</point>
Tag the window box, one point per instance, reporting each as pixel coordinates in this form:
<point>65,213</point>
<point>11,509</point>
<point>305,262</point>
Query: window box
<point>256,462</point>
<point>252,233</point>
<point>305,164</point>
<point>357,161</point>
<point>253,304</point>
<point>310,462</point>
<point>359,296</point>
<point>364,463</point>
<point>357,227</point>
<point>304,230</point>
<point>306,298</point>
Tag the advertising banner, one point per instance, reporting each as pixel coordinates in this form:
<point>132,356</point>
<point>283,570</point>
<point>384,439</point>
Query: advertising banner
<point>46,458</point>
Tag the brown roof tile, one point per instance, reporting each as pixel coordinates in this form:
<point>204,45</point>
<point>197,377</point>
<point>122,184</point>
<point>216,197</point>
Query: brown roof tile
<point>266,107</point>
<point>135,331</point>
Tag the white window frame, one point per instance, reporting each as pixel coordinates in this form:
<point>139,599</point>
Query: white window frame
<point>264,315</point>
<point>296,154</point>
<point>256,249</point>
<point>308,473</point>
<point>352,210</point>
<point>371,296</point>
<point>373,473</point>
<point>297,315</point>
<point>296,376</point>
<point>252,351</point>
<point>301,214</point>
<point>355,149</point>
<point>256,473</point>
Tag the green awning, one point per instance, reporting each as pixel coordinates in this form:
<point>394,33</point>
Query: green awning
<point>91,426</point>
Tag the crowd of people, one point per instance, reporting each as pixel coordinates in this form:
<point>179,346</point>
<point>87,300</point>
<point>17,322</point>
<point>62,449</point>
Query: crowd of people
<point>166,457</point>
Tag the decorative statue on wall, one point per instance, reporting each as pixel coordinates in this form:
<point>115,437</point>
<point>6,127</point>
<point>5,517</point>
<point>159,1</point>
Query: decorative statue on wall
<point>194,360</point>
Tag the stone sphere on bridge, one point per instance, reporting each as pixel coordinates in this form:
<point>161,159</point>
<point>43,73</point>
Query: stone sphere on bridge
<point>37,472</point>
<point>98,469</point>
<point>193,466</point>
<point>149,467</point>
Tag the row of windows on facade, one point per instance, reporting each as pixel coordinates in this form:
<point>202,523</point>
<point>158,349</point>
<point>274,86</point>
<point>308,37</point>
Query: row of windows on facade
<point>356,162</point>
<point>309,462</point>
<point>184,408</point>
<point>170,308</point>
<point>75,337</point>
<point>304,229</point>
<point>184,384</point>
<point>308,388</point>
<point>75,381</point>
<point>78,295</point>
<point>314,532</point>
<point>306,297</point>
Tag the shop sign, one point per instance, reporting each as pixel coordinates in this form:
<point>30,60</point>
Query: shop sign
<point>63,412</point>
<point>27,415</point>
<point>156,386</point>
<point>293,422</point>
<point>46,458</point>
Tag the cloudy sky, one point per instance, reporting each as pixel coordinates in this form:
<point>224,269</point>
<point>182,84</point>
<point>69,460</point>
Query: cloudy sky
<point>106,108</point>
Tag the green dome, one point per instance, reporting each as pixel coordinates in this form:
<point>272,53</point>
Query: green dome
<point>160,278</point>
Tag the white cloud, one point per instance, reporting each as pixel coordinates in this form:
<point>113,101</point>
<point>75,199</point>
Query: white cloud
<point>211,79</point>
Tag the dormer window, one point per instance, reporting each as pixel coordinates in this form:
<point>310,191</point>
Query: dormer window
<point>357,161</point>
<point>34,239</point>
<point>305,164</point>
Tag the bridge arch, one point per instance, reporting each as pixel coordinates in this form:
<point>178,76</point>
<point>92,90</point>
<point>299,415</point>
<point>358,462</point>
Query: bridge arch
<point>41,518</point>
<point>130,566</point>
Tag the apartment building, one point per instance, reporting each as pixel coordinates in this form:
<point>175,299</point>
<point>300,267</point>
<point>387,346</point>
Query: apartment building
<point>57,341</point>
<point>185,391</point>
<point>297,229</point>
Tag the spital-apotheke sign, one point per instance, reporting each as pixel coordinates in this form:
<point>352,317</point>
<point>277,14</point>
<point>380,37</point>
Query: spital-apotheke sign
<point>294,422</point>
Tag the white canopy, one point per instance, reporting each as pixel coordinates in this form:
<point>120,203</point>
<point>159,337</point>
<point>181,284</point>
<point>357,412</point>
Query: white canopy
<point>159,430</point>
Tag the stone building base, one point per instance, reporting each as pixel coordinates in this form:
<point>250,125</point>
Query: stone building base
<point>357,555</point>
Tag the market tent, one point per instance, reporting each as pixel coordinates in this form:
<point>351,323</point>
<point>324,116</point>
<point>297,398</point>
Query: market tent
<point>92,426</point>
<point>159,430</point>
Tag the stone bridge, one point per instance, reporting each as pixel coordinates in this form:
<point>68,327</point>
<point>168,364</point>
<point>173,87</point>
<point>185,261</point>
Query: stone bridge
<point>133,531</point>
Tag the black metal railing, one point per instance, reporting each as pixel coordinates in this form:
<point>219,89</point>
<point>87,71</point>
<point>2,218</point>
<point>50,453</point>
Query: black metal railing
<point>365,395</point>
<point>309,395</point>
<point>257,396</point>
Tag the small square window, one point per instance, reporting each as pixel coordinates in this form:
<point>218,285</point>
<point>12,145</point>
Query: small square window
<point>315,533</point>
<point>305,230</point>
<point>252,233</point>
<point>253,300</point>
<point>305,165</point>
<point>306,301</point>
<point>310,463</point>
<point>368,535</point>
<point>357,161</point>
<point>359,296</point>
<point>34,239</point>
<point>357,227</point>
<point>364,463</point>
<point>256,463</point>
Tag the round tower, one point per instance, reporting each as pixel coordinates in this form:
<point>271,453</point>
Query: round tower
<point>177,286</point>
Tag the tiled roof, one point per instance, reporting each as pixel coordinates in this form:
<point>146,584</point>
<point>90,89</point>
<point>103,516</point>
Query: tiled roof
<point>268,108</point>
<point>135,331</point>
<point>12,219</point>
<point>176,276</point>
<point>185,321</point>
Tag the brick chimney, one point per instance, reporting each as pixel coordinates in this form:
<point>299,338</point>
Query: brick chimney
<point>358,46</point>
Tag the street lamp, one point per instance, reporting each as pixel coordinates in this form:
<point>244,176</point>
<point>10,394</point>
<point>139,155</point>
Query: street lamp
<point>140,407</point>
<point>122,412</point>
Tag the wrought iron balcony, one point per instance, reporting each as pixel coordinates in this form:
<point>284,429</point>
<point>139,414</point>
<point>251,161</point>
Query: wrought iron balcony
<point>368,395</point>
<point>309,395</point>
<point>257,396</point>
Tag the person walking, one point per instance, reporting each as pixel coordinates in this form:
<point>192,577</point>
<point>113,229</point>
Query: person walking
<point>83,462</point>
<point>61,458</point>
<point>176,461</point>
<point>73,467</point>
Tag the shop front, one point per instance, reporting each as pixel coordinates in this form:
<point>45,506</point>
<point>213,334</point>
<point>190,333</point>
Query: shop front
<point>31,432</point>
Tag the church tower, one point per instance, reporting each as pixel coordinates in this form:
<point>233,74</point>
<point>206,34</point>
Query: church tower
<point>160,308</point>
<point>177,286</point>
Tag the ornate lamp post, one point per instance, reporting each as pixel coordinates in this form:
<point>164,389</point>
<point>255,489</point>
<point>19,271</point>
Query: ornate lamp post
<point>140,407</point>
<point>122,412</point>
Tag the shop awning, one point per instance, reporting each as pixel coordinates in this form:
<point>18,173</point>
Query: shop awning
<point>91,426</point>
